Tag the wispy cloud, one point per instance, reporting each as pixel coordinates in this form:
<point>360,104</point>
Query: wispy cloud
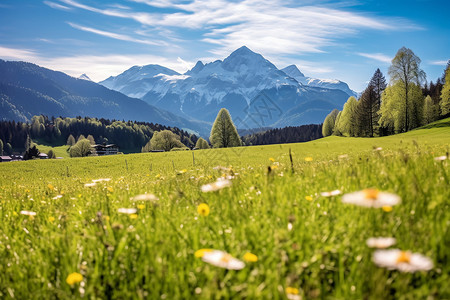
<point>377,56</point>
<point>57,6</point>
<point>98,67</point>
<point>266,26</point>
<point>439,62</point>
<point>117,36</point>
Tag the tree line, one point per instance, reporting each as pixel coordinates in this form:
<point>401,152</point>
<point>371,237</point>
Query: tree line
<point>382,109</point>
<point>56,131</point>
<point>291,134</point>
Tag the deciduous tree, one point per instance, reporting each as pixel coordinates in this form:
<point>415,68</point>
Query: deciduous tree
<point>224,133</point>
<point>347,124</point>
<point>165,140</point>
<point>202,144</point>
<point>445,94</point>
<point>328,123</point>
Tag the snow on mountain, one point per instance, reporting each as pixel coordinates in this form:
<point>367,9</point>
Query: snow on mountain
<point>295,73</point>
<point>84,77</point>
<point>236,83</point>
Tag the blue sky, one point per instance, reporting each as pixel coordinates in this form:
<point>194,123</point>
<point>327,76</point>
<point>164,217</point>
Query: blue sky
<point>344,40</point>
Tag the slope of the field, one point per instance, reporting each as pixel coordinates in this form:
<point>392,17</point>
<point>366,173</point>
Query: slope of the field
<point>323,253</point>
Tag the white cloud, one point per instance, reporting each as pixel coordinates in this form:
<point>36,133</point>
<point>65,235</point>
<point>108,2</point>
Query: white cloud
<point>377,56</point>
<point>95,66</point>
<point>117,36</point>
<point>267,26</point>
<point>439,62</point>
<point>57,6</point>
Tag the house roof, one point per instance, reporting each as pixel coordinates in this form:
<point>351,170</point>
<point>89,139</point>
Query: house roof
<point>42,154</point>
<point>5,157</point>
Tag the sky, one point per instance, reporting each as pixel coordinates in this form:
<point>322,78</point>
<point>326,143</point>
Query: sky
<point>345,40</point>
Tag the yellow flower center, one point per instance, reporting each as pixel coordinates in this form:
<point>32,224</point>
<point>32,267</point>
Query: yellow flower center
<point>371,194</point>
<point>226,258</point>
<point>403,257</point>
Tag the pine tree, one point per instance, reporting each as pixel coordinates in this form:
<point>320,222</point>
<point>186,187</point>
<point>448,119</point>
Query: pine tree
<point>378,82</point>
<point>224,133</point>
<point>445,94</point>
<point>405,69</point>
<point>202,144</point>
<point>367,112</point>
<point>328,123</point>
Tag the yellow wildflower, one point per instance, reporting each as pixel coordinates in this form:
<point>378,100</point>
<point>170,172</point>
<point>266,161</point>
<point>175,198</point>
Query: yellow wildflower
<point>309,198</point>
<point>141,206</point>
<point>51,219</point>
<point>50,186</point>
<point>250,257</point>
<point>272,159</point>
<point>308,158</point>
<point>203,209</point>
<point>387,208</point>
<point>74,278</point>
<point>133,216</point>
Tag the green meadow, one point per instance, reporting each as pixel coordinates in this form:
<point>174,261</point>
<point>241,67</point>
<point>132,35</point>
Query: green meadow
<point>313,247</point>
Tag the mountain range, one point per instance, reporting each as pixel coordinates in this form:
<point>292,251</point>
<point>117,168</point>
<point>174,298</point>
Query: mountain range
<point>27,90</point>
<point>254,90</point>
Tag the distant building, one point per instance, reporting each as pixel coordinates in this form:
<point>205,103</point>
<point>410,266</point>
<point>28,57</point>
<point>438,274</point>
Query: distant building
<point>5,158</point>
<point>100,150</point>
<point>42,156</point>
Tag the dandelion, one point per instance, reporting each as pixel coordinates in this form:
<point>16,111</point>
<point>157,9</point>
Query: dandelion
<point>292,293</point>
<point>133,216</point>
<point>440,158</point>
<point>215,186</point>
<point>371,198</point>
<point>330,194</point>
<point>110,189</point>
<point>387,208</point>
<point>50,186</point>
<point>27,213</point>
<point>272,159</point>
<point>380,242</point>
<point>199,253</point>
<point>250,257</point>
<point>203,209</point>
<point>182,171</point>
<point>308,158</point>
<point>74,278</point>
<point>309,198</point>
<point>128,211</point>
<point>404,261</point>
<point>141,206</point>
<point>91,184</point>
<point>222,259</point>
<point>51,219</point>
<point>144,197</point>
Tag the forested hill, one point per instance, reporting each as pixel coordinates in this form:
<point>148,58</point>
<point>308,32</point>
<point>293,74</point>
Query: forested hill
<point>127,135</point>
<point>291,134</point>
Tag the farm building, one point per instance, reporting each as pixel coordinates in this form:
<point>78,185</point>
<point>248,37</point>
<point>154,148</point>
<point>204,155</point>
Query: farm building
<point>99,150</point>
<point>5,158</point>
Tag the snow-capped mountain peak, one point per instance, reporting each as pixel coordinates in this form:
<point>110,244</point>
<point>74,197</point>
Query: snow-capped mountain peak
<point>293,71</point>
<point>84,77</point>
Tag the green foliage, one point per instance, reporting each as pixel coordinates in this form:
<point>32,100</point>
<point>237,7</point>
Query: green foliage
<point>328,123</point>
<point>8,149</point>
<point>91,139</point>
<point>367,112</point>
<point>430,111</point>
<point>81,137</point>
<point>165,140</point>
<point>405,72</point>
<point>202,144</point>
<point>31,153</point>
<point>393,107</point>
<point>71,140</point>
<point>81,149</point>
<point>223,132</point>
<point>146,148</point>
<point>347,124</point>
<point>51,154</point>
<point>445,94</point>
<point>324,254</point>
<point>1,147</point>
<point>179,148</point>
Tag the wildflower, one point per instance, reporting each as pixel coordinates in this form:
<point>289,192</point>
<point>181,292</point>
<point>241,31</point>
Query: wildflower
<point>330,194</point>
<point>57,197</point>
<point>74,278</point>
<point>127,211</point>
<point>440,158</point>
<point>50,186</point>
<point>377,149</point>
<point>343,156</point>
<point>203,209</point>
<point>272,159</point>
<point>133,216</point>
<point>380,242</point>
<point>290,226</point>
<point>222,259</point>
<point>309,198</point>
<point>110,189</point>
<point>404,261</point>
<point>221,168</point>
<point>157,176</point>
<point>144,197</point>
<point>199,253</point>
<point>101,180</point>
<point>91,184</point>
<point>308,158</point>
<point>215,186</point>
<point>51,219</point>
<point>27,213</point>
<point>387,208</point>
<point>292,293</point>
<point>250,257</point>
<point>141,206</point>
<point>182,171</point>
<point>371,198</point>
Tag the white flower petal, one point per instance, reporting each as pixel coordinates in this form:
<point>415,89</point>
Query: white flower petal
<point>390,259</point>
<point>145,197</point>
<point>128,211</point>
<point>380,242</point>
<point>222,259</point>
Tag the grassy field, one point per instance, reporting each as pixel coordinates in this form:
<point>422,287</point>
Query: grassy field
<point>304,243</point>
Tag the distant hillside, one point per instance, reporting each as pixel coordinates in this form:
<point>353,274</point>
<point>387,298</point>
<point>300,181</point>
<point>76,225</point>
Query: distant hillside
<point>27,90</point>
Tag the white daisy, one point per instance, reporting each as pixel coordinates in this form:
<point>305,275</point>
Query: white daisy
<point>91,184</point>
<point>215,186</point>
<point>127,211</point>
<point>27,213</point>
<point>330,194</point>
<point>101,180</point>
<point>440,158</point>
<point>145,197</point>
<point>380,242</point>
<point>371,198</point>
<point>404,261</point>
<point>222,259</point>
